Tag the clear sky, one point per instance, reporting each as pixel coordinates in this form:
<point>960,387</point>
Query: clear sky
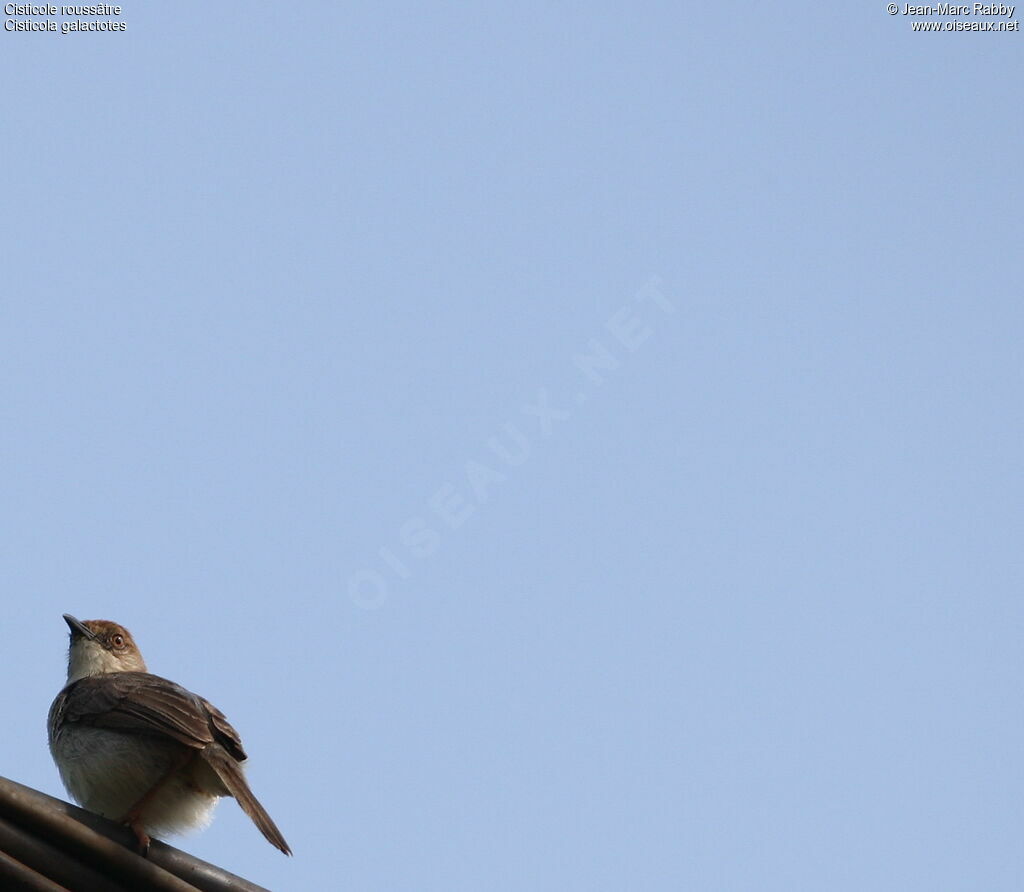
<point>577,444</point>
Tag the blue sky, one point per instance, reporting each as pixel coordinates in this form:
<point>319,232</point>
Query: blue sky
<point>577,445</point>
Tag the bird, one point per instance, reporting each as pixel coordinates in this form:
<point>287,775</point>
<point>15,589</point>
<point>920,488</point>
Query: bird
<point>142,750</point>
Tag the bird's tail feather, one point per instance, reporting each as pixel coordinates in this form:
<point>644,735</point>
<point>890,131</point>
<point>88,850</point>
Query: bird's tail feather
<point>230,772</point>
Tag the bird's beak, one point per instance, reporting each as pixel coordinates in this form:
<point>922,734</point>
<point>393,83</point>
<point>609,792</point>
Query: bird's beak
<point>77,627</point>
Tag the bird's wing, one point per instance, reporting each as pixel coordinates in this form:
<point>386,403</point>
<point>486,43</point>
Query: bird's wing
<point>140,703</point>
<point>224,734</point>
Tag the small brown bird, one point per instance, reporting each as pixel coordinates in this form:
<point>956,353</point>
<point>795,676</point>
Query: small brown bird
<point>140,749</point>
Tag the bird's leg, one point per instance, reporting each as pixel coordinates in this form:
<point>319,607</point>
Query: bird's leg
<point>131,819</point>
<point>142,837</point>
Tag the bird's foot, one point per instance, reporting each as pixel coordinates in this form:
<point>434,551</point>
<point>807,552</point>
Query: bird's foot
<point>143,839</point>
<point>131,821</point>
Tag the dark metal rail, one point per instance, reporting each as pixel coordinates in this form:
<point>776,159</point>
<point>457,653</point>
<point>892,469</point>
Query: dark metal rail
<point>48,845</point>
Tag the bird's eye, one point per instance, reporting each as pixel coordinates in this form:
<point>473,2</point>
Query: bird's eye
<point>117,641</point>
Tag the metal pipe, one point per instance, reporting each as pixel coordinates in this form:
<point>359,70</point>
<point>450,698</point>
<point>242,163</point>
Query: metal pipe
<point>51,862</point>
<point>16,877</point>
<point>28,811</point>
<point>17,799</point>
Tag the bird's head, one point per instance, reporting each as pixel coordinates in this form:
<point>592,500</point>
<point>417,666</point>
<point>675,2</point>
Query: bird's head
<point>99,646</point>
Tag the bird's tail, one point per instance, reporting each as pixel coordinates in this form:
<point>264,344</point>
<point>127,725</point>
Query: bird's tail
<point>230,773</point>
